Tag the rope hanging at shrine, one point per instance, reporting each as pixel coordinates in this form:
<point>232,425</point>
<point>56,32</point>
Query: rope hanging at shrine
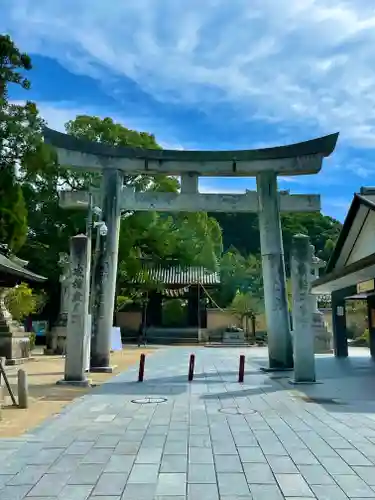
<point>210,297</point>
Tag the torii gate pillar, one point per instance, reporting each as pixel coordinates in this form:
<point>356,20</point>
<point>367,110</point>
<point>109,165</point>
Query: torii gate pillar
<point>280,349</point>
<point>101,340</point>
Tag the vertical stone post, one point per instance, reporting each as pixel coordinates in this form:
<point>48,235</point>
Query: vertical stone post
<point>340,336</point>
<point>280,349</point>
<point>303,336</point>
<point>107,272</point>
<point>371,324</point>
<point>77,312</point>
<point>314,276</point>
<point>56,339</point>
<point>322,337</point>
<point>189,183</point>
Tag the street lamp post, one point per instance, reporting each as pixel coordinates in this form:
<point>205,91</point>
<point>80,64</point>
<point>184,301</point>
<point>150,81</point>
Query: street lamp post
<point>101,232</point>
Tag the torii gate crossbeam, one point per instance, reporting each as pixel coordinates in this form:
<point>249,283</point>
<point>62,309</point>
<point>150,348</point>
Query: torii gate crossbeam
<point>192,202</point>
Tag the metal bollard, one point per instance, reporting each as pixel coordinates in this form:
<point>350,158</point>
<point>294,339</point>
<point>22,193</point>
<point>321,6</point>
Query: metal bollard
<point>241,371</point>
<point>23,389</point>
<point>191,367</point>
<point>141,367</point>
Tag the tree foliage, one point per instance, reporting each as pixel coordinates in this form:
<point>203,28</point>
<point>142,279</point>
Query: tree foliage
<point>95,129</point>
<point>247,306</point>
<point>241,269</point>
<point>18,138</point>
<point>241,231</point>
<point>239,274</point>
<point>22,301</point>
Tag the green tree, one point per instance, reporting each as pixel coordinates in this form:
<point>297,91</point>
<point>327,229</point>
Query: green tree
<point>241,231</point>
<point>95,129</point>
<point>19,134</point>
<point>246,307</point>
<point>320,228</point>
<point>22,301</point>
<point>12,63</point>
<point>326,253</point>
<point>239,274</point>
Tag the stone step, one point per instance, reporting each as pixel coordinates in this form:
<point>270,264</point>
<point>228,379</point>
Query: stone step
<point>172,340</point>
<point>228,344</point>
<point>163,340</point>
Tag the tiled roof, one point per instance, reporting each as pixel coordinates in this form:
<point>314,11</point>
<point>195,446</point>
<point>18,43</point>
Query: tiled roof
<point>176,275</point>
<point>11,268</point>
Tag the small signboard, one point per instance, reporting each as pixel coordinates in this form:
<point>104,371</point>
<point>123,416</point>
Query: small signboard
<point>116,343</point>
<point>340,311</point>
<point>366,286</point>
<point>40,328</point>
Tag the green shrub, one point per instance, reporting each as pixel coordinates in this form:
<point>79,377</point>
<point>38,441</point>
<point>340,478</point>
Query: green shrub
<point>32,338</point>
<point>22,301</point>
<point>363,340</point>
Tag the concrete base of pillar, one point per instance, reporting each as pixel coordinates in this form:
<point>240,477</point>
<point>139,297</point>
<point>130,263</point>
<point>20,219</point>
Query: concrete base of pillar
<point>101,364</point>
<point>103,369</point>
<point>270,370</point>
<point>75,383</point>
<point>293,382</point>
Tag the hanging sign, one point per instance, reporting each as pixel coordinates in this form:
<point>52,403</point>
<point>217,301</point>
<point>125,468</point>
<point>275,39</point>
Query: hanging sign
<point>366,286</point>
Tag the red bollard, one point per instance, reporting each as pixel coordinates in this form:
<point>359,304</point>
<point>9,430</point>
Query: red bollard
<point>141,368</point>
<point>191,367</point>
<point>241,371</point>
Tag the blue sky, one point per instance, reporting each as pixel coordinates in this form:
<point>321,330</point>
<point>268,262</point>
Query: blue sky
<point>213,74</point>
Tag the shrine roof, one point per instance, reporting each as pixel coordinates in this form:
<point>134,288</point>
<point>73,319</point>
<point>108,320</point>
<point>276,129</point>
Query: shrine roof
<point>11,273</point>
<point>171,274</point>
<point>353,258</point>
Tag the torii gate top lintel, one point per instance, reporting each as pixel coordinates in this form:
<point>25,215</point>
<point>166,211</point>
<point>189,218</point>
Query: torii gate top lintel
<point>295,159</point>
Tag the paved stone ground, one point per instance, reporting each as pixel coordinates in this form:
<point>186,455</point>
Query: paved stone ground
<point>212,439</point>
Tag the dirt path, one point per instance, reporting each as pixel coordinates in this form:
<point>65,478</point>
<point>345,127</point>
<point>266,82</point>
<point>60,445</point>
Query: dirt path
<point>43,373</point>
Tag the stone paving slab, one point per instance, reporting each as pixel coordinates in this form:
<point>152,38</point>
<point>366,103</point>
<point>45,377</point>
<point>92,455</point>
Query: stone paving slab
<point>212,439</point>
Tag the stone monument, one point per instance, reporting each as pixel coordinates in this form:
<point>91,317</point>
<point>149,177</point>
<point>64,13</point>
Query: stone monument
<point>303,335</point>
<point>234,336</point>
<point>323,338</point>
<point>57,337</point>
<point>77,325</point>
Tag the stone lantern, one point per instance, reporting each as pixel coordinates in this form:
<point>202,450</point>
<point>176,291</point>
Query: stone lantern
<point>57,336</point>
<point>323,339</point>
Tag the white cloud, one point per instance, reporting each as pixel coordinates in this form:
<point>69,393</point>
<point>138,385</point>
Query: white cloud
<point>300,61</point>
<point>220,185</point>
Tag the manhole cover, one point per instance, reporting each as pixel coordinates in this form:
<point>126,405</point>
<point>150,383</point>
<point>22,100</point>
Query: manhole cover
<point>321,401</point>
<point>236,411</point>
<point>148,401</point>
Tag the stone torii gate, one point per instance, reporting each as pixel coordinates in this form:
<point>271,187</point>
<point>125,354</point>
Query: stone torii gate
<point>264,164</point>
